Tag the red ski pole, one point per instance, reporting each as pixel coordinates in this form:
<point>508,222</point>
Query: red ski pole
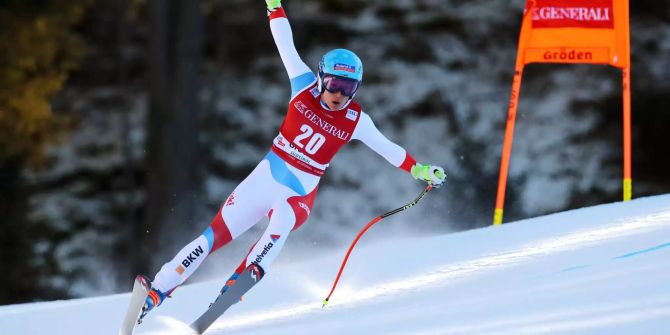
<point>370,224</point>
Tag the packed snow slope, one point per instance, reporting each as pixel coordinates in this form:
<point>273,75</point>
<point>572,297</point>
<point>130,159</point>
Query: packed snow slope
<point>598,270</point>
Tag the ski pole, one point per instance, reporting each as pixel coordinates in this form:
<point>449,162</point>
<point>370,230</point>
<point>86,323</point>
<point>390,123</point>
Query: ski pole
<point>370,224</point>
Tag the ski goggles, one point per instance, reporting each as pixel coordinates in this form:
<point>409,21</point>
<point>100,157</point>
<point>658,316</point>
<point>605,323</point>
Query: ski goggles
<point>346,86</point>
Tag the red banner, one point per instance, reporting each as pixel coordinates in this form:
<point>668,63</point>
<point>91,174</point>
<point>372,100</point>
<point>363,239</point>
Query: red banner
<point>573,14</point>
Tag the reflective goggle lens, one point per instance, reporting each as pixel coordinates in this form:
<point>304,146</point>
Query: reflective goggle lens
<point>336,84</point>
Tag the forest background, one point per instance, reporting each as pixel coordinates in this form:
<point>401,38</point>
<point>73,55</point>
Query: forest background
<point>124,124</point>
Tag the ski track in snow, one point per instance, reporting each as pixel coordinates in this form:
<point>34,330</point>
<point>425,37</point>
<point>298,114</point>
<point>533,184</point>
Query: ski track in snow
<point>592,271</point>
<point>567,320</point>
<point>557,321</point>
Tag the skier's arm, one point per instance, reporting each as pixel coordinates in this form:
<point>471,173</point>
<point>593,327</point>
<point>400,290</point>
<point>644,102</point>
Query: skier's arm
<point>367,132</point>
<point>299,73</point>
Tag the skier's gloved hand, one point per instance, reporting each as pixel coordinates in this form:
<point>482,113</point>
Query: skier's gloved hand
<point>273,4</point>
<point>431,174</point>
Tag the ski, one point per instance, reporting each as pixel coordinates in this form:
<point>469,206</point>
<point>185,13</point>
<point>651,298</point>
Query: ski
<point>141,289</point>
<point>247,279</point>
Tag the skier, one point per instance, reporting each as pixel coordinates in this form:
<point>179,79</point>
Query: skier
<point>322,117</point>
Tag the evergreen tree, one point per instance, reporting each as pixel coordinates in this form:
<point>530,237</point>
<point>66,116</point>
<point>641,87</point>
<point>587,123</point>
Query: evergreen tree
<point>39,49</point>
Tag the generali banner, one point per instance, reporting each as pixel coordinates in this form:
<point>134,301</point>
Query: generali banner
<point>573,14</point>
<point>575,31</point>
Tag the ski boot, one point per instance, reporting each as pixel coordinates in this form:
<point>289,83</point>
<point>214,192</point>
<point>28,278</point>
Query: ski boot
<point>229,283</point>
<point>154,299</point>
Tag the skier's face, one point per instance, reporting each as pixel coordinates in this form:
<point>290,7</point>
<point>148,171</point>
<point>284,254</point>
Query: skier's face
<point>335,101</point>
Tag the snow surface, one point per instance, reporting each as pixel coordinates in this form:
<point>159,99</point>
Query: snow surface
<point>598,270</point>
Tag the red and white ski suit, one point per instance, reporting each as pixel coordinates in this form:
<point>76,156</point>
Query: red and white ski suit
<point>284,184</point>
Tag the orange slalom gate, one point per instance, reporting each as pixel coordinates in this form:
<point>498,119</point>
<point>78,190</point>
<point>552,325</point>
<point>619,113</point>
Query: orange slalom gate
<point>563,31</point>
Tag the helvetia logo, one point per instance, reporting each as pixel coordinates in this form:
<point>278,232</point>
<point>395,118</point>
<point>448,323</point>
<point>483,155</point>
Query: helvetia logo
<point>264,253</point>
<point>275,237</point>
